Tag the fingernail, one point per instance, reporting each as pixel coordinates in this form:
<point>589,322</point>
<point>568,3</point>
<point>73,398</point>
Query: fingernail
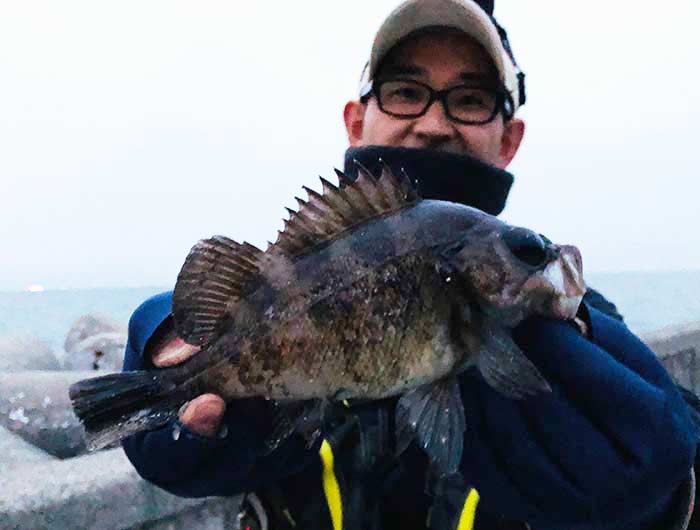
<point>174,352</point>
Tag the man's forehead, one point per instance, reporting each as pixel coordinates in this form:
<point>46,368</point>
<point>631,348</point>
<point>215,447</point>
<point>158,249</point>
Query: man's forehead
<point>417,55</point>
<point>398,69</point>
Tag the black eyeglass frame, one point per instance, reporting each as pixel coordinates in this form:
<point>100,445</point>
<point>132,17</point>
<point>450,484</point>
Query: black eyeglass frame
<point>504,101</point>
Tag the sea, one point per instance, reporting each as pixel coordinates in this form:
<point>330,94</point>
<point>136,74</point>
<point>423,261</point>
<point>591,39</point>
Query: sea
<point>647,300</point>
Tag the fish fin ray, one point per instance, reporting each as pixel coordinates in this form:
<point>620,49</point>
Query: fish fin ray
<point>505,367</point>
<point>433,415</point>
<point>114,406</point>
<point>323,217</point>
<point>302,417</point>
<point>212,277</point>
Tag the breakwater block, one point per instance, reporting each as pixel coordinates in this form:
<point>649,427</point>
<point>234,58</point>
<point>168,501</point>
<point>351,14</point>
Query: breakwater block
<point>14,452</point>
<point>95,342</point>
<point>18,354</point>
<point>35,406</point>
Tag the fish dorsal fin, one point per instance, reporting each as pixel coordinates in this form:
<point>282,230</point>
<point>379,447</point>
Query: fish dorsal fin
<point>213,276</point>
<point>322,217</point>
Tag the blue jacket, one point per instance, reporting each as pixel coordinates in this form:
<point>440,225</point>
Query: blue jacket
<point>612,447</point>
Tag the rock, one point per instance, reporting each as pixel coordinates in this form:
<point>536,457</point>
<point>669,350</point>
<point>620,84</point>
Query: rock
<point>14,451</point>
<point>24,353</point>
<point>95,342</point>
<point>35,406</point>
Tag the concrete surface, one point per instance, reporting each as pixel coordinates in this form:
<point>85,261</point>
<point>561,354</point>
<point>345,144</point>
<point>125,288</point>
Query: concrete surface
<point>678,348</point>
<point>100,491</point>
<point>214,514</point>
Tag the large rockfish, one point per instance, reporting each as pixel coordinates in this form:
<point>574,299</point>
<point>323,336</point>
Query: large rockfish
<point>369,292</point>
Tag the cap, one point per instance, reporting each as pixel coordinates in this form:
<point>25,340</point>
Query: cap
<point>468,16</point>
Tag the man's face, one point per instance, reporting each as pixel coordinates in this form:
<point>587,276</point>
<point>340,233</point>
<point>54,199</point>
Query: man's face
<point>441,60</point>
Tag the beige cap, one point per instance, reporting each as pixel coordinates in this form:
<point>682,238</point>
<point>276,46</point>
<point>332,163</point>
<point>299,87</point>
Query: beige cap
<point>464,15</point>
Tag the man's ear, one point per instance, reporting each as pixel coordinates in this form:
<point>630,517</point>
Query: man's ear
<point>354,116</point>
<point>513,133</point>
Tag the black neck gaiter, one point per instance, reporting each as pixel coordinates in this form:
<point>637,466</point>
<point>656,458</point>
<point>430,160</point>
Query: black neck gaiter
<point>442,176</point>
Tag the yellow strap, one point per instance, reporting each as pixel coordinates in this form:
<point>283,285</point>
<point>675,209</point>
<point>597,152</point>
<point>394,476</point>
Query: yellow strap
<point>331,488</point>
<point>466,519</point>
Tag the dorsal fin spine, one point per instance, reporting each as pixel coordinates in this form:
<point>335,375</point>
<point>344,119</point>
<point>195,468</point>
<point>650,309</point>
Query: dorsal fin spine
<point>374,195</point>
<point>302,221</point>
<point>325,215</point>
<point>341,195</point>
<point>343,179</point>
<point>317,204</point>
<point>356,189</point>
<point>322,217</point>
<point>325,204</point>
<point>361,168</point>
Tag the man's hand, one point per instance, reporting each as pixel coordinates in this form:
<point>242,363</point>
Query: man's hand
<point>203,414</point>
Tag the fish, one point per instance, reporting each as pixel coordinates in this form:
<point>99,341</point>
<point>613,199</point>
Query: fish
<point>369,292</point>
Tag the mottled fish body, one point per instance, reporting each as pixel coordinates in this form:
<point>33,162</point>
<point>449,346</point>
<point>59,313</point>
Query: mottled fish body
<point>367,316</point>
<point>369,292</point>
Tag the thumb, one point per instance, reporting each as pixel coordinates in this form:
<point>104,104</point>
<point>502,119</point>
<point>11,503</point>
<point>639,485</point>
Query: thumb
<point>173,351</point>
<point>203,414</point>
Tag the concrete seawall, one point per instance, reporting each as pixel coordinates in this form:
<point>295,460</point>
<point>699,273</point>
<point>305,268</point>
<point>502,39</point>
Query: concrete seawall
<point>678,347</point>
<point>102,490</point>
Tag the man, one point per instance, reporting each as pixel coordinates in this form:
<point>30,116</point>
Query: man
<point>613,446</point>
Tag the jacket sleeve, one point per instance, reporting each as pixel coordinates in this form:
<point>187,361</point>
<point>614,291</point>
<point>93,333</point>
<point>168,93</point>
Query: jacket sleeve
<point>612,446</point>
<point>191,465</point>
<point>690,509</point>
<point>680,435</point>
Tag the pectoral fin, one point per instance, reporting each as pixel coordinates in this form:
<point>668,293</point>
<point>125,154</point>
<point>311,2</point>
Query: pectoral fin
<point>210,280</point>
<point>308,418</point>
<point>301,417</point>
<point>433,415</point>
<point>506,368</point>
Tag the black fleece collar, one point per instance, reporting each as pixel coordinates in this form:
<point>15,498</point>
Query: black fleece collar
<point>439,175</point>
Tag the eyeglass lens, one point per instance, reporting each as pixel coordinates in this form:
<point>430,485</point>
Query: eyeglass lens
<point>412,99</point>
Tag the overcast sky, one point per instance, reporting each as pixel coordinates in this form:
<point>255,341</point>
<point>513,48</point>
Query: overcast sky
<point>128,130</point>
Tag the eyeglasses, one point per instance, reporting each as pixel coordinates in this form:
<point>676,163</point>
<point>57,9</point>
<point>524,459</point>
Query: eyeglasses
<point>465,104</point>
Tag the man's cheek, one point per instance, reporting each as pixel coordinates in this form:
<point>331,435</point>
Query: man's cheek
<point>481,142</point>
<point>386,132</point>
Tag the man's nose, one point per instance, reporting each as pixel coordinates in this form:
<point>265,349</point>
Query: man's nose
<point>434,123</point>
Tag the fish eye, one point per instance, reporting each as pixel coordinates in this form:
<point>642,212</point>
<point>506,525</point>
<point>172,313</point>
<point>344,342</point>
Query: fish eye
<point>526,246</point>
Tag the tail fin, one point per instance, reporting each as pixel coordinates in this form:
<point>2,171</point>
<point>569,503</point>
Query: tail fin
<point>114,406</point>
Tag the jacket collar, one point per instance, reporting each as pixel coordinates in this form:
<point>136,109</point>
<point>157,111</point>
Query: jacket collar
<point>438,175</point>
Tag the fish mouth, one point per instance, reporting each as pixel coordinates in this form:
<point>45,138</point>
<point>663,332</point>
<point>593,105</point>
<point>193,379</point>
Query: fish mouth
<point>565,276</point>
